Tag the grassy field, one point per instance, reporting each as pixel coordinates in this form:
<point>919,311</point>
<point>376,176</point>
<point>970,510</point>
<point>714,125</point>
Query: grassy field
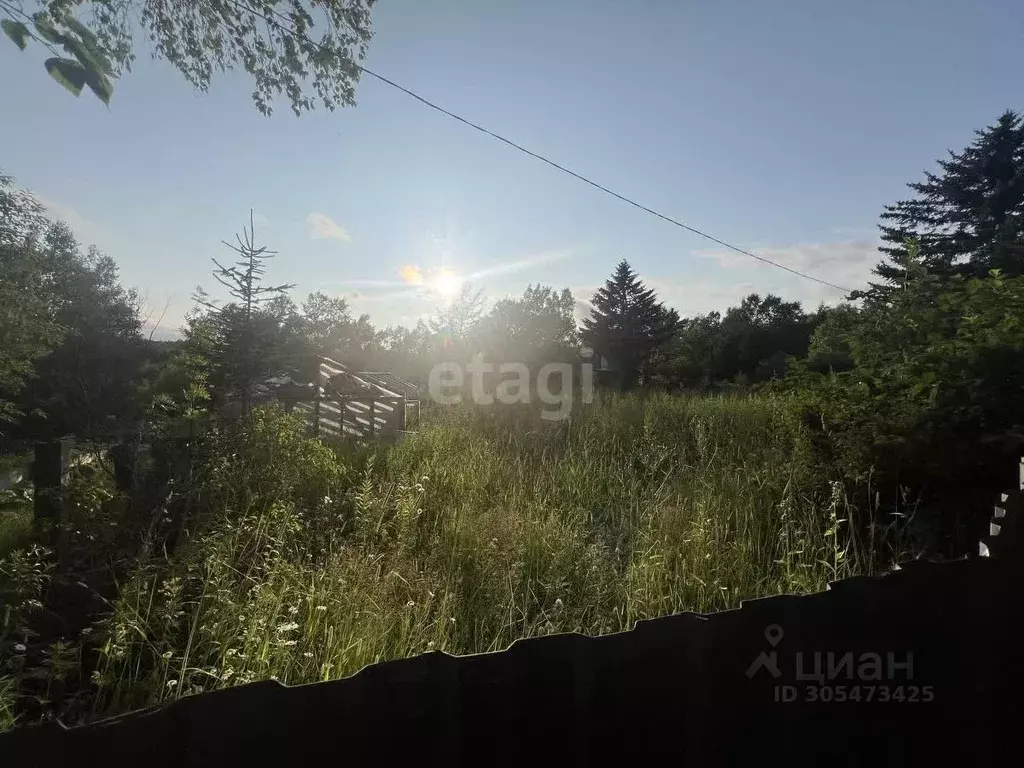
<point>485,527</point>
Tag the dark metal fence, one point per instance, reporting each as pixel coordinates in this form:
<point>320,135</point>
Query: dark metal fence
<point>13,447</point>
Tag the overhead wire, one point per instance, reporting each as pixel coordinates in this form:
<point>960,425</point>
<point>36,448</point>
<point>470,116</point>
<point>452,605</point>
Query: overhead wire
<point>580,177</point>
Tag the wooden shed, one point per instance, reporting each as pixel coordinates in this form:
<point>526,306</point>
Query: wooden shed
<point>345,403</point>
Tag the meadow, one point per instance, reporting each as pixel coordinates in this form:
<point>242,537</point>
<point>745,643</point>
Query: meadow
<point>275,556</point>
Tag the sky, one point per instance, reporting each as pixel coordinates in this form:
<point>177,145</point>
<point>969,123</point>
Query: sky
<point>782,128</point>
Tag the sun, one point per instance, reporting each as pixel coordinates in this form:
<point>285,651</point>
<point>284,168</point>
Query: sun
<point>445,284</point>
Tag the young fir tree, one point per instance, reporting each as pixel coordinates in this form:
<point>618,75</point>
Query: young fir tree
<point>969,218</point>
<point>245,334</point>
<point>628,325</point>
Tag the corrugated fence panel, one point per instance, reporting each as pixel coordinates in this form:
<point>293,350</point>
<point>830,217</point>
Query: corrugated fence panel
<point>921,666</point>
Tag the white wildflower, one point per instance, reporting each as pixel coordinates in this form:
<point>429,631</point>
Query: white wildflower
<point>290,626</point>
<point>19,648</point>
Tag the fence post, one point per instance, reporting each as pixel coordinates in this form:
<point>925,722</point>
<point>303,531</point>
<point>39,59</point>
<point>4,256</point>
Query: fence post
<point>1005,537</point>
<point>124,456</point>
<point>316,412</point>
<point>51,460</point>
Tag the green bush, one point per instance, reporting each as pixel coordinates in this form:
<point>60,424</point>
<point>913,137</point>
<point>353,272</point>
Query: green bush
<point>926,395</point>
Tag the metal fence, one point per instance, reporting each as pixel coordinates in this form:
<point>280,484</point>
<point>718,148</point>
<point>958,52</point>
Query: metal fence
<point>13,447</point>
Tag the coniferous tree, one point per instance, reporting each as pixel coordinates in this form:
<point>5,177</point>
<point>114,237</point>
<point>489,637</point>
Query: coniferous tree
<point>628,325</point>
<point>969,218</point>
<point>246,333</point>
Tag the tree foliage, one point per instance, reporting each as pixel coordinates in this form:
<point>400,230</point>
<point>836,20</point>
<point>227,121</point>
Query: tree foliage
<point>244,336</point>
<point>749,343</point>
<point>457,322</point>
<point>306,51</point>
<point>627,325</point>
<point>534,329</point>
<point>86,61</point>
<point>928,395</point>
<point>968,218</point>
<point>72,349</point>
<point>28,330</point>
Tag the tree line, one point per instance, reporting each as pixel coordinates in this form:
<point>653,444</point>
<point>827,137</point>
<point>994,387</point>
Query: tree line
<point>917,377</point>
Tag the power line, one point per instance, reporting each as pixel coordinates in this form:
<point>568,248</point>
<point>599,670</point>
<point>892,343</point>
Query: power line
<point>594,184</point>
<point>552,163</point>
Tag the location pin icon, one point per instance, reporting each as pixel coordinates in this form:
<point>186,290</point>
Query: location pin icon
<point>773,634</point>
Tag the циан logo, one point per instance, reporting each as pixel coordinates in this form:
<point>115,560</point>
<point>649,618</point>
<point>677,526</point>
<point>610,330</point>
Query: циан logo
<point>768,660</point>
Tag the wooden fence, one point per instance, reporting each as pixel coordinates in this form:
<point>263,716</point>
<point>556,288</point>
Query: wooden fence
<point>919,666</point>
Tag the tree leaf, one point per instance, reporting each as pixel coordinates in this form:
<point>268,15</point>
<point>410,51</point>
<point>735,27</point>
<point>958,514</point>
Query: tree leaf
<point>89,58</point>
<point>46,30</point>
<point>17,31</point>
<point>83,32</point>
<point>68,73</point>
<point>87,49</point>
<point>100,85</point>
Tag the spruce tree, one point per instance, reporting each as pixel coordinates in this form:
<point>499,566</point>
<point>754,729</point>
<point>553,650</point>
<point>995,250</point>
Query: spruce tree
<point>967,219</point>
<point>247,331</point>
<point>628,325</point>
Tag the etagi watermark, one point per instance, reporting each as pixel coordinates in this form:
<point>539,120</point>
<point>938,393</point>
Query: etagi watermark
<point>514,385</point>
<point>841,677</point>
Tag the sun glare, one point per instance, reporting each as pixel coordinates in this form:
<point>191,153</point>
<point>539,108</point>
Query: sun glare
<point>446,284</point>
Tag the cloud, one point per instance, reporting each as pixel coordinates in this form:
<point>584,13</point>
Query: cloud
<point>700,296</point>
<point>160,332</point>
<point>581,309</point>
<point>847,264</point>
<point>411,274</point>
<point>323,227</point>
<point>524,263</point>
<point>81,226</point>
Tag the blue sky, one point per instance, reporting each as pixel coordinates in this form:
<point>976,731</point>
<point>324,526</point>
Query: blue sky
<point>781,127</point>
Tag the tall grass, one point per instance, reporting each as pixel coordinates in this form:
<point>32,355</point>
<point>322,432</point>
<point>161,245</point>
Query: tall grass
<point>485,527</point>
<point>275,556</point>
